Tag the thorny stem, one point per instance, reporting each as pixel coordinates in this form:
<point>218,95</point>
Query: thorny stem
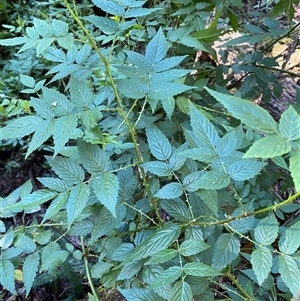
<point>120,105</point>
<point>87,269</point>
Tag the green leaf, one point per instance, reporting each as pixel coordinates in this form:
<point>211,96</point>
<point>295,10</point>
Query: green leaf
<point>162,256</point>
<point>110,7</point>
<point>245,169</point>
<point>99,269</point>
<point>139,294</point>
<point>30,268</point>
<point>213,179</point>
<point>33,200</point>
<point>157,48</point>
<point>60,28</point>
<point>177,209</point>
<point>261,260</point>
<point>129,270</point>
<point>268,147</point>
<point>42,236</point>
<point>190,182</point>
<point>67,169</point>
<point>158,168</point>
<point>203,129</point>
<point>78,198</point>
<point>289,271</point>
<point>192,246</point>
<point>170,191</point>
<point>246,111</point>
<point>290,240</point>
<point>43,133</point>
<point>182,291</point>
<point>63,130</point>
<point>289,124</point>
<point>54,184</point>
<point>52,256</point>
<point>7,239</point>
<point>226,250</point>
<point>210,198</point>
<point>14,41</point>
<point>25,243</point>
<point>81,94</point>
<point>20,127</point>
<point>166,277</point>
<point>27,81</point>
<point>106,187</point>
<point>200,270</point>
<point>159,145</point>
<point>93,158</point>
<point>158,241</point>
<point>294,168</point>
<point>7,275</point>
<point>266,230</point>
<point>43,28</point>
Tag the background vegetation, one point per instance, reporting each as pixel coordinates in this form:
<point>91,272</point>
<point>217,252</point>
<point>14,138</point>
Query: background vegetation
<point>150,148</point>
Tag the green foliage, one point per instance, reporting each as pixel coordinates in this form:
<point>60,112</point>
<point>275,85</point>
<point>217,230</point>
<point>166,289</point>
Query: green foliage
<point>160,178</point>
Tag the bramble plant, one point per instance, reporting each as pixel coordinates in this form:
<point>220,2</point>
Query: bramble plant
<point>163,177</point>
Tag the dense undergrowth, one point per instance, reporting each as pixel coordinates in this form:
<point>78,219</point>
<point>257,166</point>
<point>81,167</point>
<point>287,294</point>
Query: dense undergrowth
<point>163,179</point>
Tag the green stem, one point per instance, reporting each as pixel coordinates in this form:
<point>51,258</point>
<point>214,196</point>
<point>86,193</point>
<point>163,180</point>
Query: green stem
<point>130,127</point>
<point>87,269</point>
<point>239,287</point>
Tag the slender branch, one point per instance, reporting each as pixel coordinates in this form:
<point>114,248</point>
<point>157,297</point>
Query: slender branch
<point>87,269</point>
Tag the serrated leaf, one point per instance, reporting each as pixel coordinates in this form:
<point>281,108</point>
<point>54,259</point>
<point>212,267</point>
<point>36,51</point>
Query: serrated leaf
<point>52,257</point>
<point>33,200</point>
<point>261,260</point>
<point>157,48</point>
<point>161,257</point>
<point>44,131</point>
<point>268,147</point>
<point>42,236</point>
<point>7,239</point>
<point>244,224</point>
<point>129,270</point>
<point>294,168</point>
<point>94,159</point>
<point>289,124</point>
<point>81,94</point>
<point>159,145</point>
<point>266,230</point>
<point>105,24</point>
<point>60,28</point>
<point>106,188</point>
<point>166,277</point>
<point>170,191</point>
<point>190,182</point>
<point>213,179</point>
<point>158,168</point>
<point>225,251</point>
<point>103,225</point>
<point>20,127</point>
<point>289,272</point>
<point>158,241</point>
<point>139,294</point>
<point>245,169</point>
<point>27,81</point>
<point>63,130</point>
<point>11,253</point>
<point>177,209</point>
<point>290,240</point>
<point>25,243</point>
<point>182,291</point>
<point>30,268</point>
<point>110,7</point>
<point>192,246</point>
<point>249,113</point>
<point>54,184</point>
<point>67,169</point>
<point>77,200</point>
<point>169,105</point>
<point>42,27</point>
<point>203,129</point>
<point>7,276</point>
<point>14,41</point>
<point>210,199</point>
<point>200,270</point>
